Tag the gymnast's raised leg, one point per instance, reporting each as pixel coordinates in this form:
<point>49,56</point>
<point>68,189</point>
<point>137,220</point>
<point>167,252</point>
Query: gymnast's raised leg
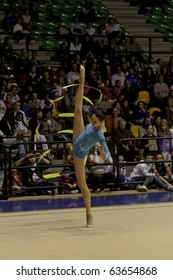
<point>79,164</point>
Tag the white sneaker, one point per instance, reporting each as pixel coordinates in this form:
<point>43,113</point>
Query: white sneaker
<point>140,188</point>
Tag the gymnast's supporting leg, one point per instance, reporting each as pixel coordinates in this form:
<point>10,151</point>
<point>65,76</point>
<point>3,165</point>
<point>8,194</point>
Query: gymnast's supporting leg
<point>78,128</point>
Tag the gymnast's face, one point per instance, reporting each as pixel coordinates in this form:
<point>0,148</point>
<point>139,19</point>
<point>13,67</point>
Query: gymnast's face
<point>96,122</point>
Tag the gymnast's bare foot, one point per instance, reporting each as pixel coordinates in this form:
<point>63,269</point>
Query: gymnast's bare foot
<point>89,221</point>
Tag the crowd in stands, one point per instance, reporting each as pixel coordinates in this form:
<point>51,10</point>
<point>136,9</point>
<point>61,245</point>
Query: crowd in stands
<point>137,95</point>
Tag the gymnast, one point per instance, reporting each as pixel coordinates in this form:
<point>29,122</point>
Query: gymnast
<point>83,140</point>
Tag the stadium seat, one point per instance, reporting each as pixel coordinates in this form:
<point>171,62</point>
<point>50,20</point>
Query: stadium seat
<point>144,96</point>
<point>134,130</point>
<point>152,110</point>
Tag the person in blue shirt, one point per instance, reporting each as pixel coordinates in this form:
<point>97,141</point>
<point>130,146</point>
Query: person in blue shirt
<point>83,140</point>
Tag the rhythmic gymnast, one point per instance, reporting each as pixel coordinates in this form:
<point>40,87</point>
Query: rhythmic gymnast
<point>84,140</point>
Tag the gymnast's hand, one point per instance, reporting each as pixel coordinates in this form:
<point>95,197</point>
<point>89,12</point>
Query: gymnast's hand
<point>102,152</point>
<point>82,74</point>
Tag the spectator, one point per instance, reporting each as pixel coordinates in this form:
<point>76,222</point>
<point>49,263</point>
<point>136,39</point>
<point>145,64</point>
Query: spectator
<point>142,128</point>
<point>33,61</point>
<point>161,92</point>
<point>32,78</point>
<point>6,49</point>
<point>89,29</point>
<point>16,109</point>
<point>21,64</point>
<point>132,77</point>
<point>32,175</point>
<point>119,75</point>
<point>145,172</point>
<point>67,182</point>
<point>75,27</point>
<point>36,123</point>
<point>72,75</point>
<point>18,30</point>
<point>116,90</point>
<point>8,101</point>
<point>44,86</point>
<point>140,112</point>
<point>34,102</point>
<point>75,45</point>
<point>163,171</point>
<point>26,20</point>
<point>2,109</point>
<point>8,21</point>
<point>168,79</point>
<point>68,154</point>
<point>100,175</point>
<point>100,41</point>
<point>122,173</point>
<point>12,180</point>
<point>49,126</point>
<point>168,111</point>
<point>112,28</point>
<point>150,145</point>
<point>148,79</point>
<point>125,147</point>
<point>14,93</point>
<point>165,146</point>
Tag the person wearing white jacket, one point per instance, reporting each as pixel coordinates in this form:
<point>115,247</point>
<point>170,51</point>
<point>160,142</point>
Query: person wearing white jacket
<point>144,171</point>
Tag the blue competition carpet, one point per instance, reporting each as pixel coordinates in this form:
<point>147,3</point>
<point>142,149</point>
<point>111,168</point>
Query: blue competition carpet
<point>77,202</point>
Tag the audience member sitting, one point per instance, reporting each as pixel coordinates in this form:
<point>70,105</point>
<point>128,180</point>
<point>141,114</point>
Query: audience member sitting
<point>140,112</point>
<point>75,45</point>
<point>18,30</point>
<point>12,180</point>
<point>8,21</point>
<point>112,120</point>
<point>6,51</point>
<point>99,175</point>
<point>130,93</point>
<point>161,92</point>
<point>112,28</point>
<point>32,175</point>
<point>35,122</point>
<point>100,41</point>
<point>122,173</point>
<point>32,78</point>
<point>44,86</point>
<point>90,30</point>
<point>119,75</point>
<point>50,127</point>
<point>165,145</point>
<point>67,182</point>
<point>168,79</point>
<point>125,147</point>
<point>168,111</point>
<point>26,20</point>
<point>163,171</point>
<point>143,126</point>
<point>144,171</point>
<point>72,75</point>
<point>8,101</point>
<point>127,113</point>
<point>75,27</point>
<point>149,145</point>
<point>68,154</point>
<point>116,90</point>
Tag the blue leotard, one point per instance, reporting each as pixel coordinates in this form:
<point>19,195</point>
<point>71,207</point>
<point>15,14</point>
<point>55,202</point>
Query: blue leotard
<point>86,140</point>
